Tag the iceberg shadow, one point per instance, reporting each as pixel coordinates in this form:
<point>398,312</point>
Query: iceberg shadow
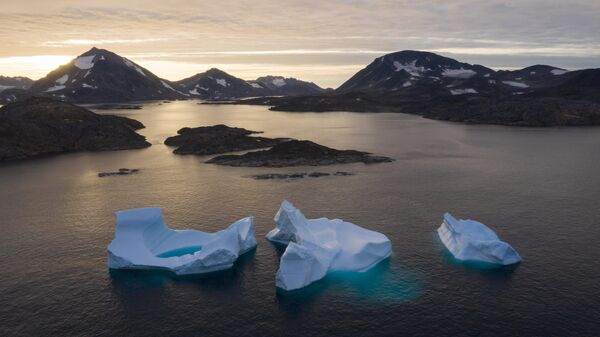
<point>384,282</point>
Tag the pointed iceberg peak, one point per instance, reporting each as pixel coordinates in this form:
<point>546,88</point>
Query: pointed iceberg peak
<point>319,246</point>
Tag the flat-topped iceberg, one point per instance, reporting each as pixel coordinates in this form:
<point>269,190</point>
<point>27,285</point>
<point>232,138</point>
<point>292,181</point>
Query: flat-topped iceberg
<point>319,246</point>
<point>470,240</point>
<point>143,241</point>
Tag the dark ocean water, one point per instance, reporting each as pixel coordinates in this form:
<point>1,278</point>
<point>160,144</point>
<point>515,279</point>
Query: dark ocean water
<point>539,189</point>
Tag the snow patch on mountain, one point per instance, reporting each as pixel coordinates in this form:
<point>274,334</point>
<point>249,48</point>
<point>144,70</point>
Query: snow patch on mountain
<point>222,82</point>
<point>85,62</point>
<point>516,84</point>
<point>133,66</point>
<point>463,91</point>
<point>55,88</point>
<point>63,79</point>
<point>459,73</point>
<point>410,68</point>
<point>280,82</point>
<point>558,72</point>
<point>256,85</point>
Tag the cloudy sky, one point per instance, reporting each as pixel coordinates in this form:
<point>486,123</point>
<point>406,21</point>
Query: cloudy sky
<point>316,40</point>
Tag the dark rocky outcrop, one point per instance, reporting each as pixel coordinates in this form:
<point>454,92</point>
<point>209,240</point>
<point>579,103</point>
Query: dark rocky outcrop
<point>41,126</point>
<point>217,139</point>
<point>120,172</point>
<point>298,153</point>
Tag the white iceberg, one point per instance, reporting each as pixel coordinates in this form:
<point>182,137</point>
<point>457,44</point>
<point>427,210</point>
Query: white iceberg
<point>143,241</point>
<point>319,246</point>
<point>470,240</point>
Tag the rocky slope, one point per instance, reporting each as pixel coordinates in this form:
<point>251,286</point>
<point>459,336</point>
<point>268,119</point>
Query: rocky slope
<point>217,139</point>
<point>102,76</point>
<point>41,126</point>
<point>298,153</point>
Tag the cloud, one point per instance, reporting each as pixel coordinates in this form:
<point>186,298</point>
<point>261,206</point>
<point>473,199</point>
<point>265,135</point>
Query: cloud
<point>350,30</point>
<point>91,42</point>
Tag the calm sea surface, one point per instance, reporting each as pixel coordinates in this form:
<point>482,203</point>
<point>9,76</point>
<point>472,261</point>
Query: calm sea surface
<point>539,189</point>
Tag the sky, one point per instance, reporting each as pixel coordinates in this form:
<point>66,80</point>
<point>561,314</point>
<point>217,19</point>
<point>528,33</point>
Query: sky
<point>324,41</point>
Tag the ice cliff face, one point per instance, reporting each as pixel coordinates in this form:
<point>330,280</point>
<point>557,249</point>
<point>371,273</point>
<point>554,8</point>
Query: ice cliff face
<point>470,240</point>
<point>319,246</point>
<point>143,241</point>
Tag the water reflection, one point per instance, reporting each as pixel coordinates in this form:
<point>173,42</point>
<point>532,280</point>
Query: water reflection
<point>385,282</point>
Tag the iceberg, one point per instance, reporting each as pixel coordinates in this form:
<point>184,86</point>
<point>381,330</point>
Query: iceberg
<point>470,240</point>
<point>316,247</point>
<point>143,241</point>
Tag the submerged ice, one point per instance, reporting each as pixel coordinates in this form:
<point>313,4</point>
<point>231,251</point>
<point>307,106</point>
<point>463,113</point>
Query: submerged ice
<point>470,240</point>
<point>319,246</point>
<point>143,241</point>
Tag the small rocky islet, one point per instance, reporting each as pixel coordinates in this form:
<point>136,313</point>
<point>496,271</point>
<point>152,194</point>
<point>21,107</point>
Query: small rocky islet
<point>282,152</point>
<point>218,139</point>
<point>42,126</point>
<point>298,153</point>
<point>121,172</point>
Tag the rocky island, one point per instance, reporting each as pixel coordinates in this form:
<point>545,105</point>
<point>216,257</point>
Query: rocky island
<point>217,139</point>
<point>298,153</point>
<point>42,126</point>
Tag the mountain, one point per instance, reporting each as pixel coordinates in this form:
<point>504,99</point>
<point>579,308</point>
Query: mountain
<point>417,71</point>
<point>42,126</point>
<point>282,86</point>
<point>439,87</point>
<point>217,84</point>
<point>15,83</point>
<point>102,76</point>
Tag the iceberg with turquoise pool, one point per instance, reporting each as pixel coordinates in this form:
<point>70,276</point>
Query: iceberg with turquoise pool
<point>316,247</point>
<point>143,241</point>
<point>472,241</point>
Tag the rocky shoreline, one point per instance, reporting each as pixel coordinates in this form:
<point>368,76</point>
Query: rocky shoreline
<point>288,176</point>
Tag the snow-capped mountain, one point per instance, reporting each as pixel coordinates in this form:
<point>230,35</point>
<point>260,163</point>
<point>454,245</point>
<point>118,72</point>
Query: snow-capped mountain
<point>280,85</point>
<point>414,70</point>
<point>443,88</point>
<point>15,83</point>
<point>217,84</point>
<point>415,73</point>
<point>102,76</point>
